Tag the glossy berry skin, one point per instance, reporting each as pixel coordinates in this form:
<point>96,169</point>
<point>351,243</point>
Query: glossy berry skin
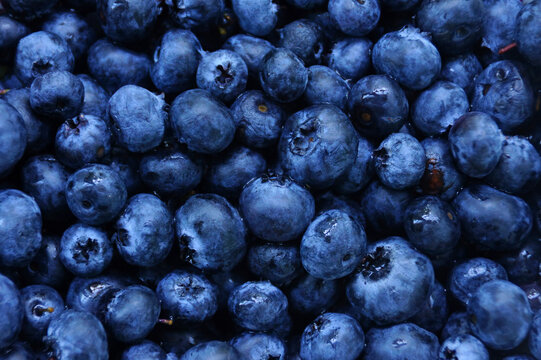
<point>95,194</point>
<point>503,91</point>
<point>144,350</point>
<point>283,76</point>
<point>256,17</point>
<point>476,144</point>
<point>258,306</point>
<point>317,146</point>
<point>503,303</point>
<point>528,32</point>
<point>455,25</point>
<point>201,122</point>
<point>44,178</point>
<point>431,225</point>
<point>39,53</point>
<point>251,49</point>
<point>499,23</point>
<point>20,233</point>
<point>228,173</point>
<point>463,347</point>
<point>74,29</point>
<point>85,251</point>
<point>46,267</point>
<point>11,321</point>
<point>276,208</point>
<point>350,57</point>
<point>255,346</point>
<point>434,312</point>
<point>144,231</point>
<point>131,313</point>
<point>407,56</point>
<point>211,233</point>
<point>13,137</point>
<point>438,107</point>
<point>90,294</point>
<point>216,350</point>
<point>41,304</point>
<point>519,168</point>
<point>81,140</point>
<point>114,66</point>
<point>325,86</point>
<point>413,343</point>
<point>96,99</point>
<point>377,106</point>
<point>175,61</point>
<point>188,296</point>
<point>332,336</point>
<point>138,118</point>
<point>461,70</point>
<point>258,119</point>
<point>128,21</point>
<point>468,276</point>
<point>360,173</point>
<point>491,219</point>
<point>354,18</point>
<point>333,245</point>
<point>194,14</point>
<point>274,262</point>
<point>304,38</point>
<point>76,334</point>
<point>399,161</point>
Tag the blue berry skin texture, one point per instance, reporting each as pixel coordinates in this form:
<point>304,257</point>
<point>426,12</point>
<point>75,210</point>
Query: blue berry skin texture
<point>528,32</point>
<point>13,137</point>
<point>11,322</point>
<point>463,347</point>
<point>254,346</point>
<point>354,18</point>
<point>41,304</point>
<point>256,17</point>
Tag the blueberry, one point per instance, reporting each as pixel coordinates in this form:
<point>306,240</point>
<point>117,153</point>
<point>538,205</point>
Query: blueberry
<point>257,17</point>
<point>329,201</point>
<point>74,29</point>
<point>95,194</point>
<point>354,17</point>
<point>274,262</point>
<point>276,208</point>
<point>332,336</point>
<point>431,225</point>
<point>114,66</point>
<point>13,137</point>
<point>195,14</point>
<point>455,26</point>
<point>126,165</point>
<point>384,208</point>
<point>170,171</point>
<point>11,31</point>
<point>89,295</point>
<point>46,267</point>
<point>252,50</point>
<point>85,250</point>
<point>476,144</point>
<point>462,70</point>
<point>223,73</point>
<point>304,38</point>
<point>211,233</point>
<point>318,145</point>
<point>333,245</point>
<point>408,56</point>
<point>325,86</point>
<point>201,122</point>
<point>96,98</point>
<point>519,168</point>
<point>309,295</point>
<point>81,140</point>
<point>11,321</point>
<point>256,346</point>
<point>75,334</point>
<point>127,21</point>
<point>258,119</point>
<point>528,32</point>
<point>143,351</point>
<point>131,313</point>
<point>228,173</point>
<point>282,75</point>
<point>350,57</point>
<point>441,176</point>
<point>434,312</point>
<point>523,265</point>
<point>188,296</point>
<point>503,303</point>
<point>403,341</point>
<point>20,233</point>
<point>391,265</point>
<point>41,304</point>
<point>465,347</point>
<point>215,350</point>
<point>39,53</point>
<point>144,231</point>
<point>499,23</point>
<point>491,219</point>
<point>29,10</point>
<point>175,61</point>
<point>503,90</point>
<point>37,130</point>
<point>399,161</point>
<point>457,324</point>
<point>377,106</point>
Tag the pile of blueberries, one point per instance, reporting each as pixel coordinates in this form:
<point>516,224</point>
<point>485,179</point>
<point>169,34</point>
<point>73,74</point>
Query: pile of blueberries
<point>270,180</point>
